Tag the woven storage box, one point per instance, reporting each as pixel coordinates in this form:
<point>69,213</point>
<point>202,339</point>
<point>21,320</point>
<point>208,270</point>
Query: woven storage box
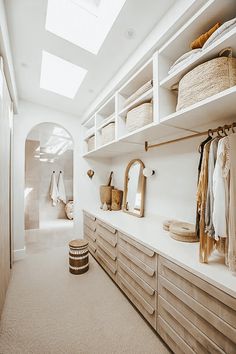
<point>205,80</point>
<point>91,143</point>
<point>108,133</point>
<point>139,116</point>
<point>144,88</point>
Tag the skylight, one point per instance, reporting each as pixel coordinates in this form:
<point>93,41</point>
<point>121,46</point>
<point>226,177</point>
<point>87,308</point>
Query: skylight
<point>60,76</point>
<point>85,23</point>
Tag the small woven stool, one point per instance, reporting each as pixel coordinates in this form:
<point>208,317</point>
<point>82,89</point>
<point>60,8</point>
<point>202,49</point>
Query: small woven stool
<point>78,256</point>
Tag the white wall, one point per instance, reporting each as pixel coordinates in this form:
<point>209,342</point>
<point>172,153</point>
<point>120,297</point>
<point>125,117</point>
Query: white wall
<point>86,191</point>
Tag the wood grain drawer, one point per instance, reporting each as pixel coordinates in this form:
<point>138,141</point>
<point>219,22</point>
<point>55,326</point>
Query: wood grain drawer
<point>90,216</point>
<point>143,253</point>
<point>107,266</point>
<point>91,234</point>
<point>217,330</point>
<point>107,235</point>
<point>144,290</point>
<point>107,248</point>
<point>142,305</point>
<point>91,224</point>
<point>215,300</point>
<point>106,256</point>
<point>174,341</point>
<point>107,227</point>
<point>197,340</point>
<point>145,272</point>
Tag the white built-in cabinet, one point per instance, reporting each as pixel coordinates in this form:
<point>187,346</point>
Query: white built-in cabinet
<point>189,313</point>
<point>167,123</point>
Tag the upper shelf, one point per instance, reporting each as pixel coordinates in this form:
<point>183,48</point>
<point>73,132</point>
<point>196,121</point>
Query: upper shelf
<point>145,97</point>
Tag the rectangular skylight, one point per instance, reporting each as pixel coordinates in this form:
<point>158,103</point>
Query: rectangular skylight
<point>60,76</point>
<point>85,23</point>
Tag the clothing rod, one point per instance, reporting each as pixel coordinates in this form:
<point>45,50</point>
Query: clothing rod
<point>209,131</point>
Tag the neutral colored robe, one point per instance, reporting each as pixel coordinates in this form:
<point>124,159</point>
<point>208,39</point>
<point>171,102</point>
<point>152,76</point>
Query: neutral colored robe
<point>53,190</point>
<point>61,189</point>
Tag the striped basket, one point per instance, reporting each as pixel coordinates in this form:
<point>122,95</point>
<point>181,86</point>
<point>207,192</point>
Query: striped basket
<point>139,116</point>
<point>78,256</point>
<point>108,133</point>
<point>206,80</point>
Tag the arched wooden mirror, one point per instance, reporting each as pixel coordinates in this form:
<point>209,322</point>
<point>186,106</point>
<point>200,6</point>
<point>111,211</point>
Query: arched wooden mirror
<point>134,188</point>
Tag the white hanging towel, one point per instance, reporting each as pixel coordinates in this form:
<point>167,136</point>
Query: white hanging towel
<point>61,189</point>
<point>53,189</point>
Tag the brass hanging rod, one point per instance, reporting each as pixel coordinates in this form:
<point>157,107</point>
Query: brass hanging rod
<point>218,130</point>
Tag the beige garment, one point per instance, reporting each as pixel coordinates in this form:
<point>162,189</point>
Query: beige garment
<point>206,242</point>
<point>232,203</point>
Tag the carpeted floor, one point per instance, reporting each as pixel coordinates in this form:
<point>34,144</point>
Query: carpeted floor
<point>50,311</point>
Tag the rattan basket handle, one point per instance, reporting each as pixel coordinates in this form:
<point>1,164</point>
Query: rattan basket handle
<point>226,52</point>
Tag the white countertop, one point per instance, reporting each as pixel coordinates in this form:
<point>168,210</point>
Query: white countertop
<point>149,232</point>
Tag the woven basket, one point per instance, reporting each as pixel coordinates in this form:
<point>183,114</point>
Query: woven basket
<point>108,133</point>
<point>139,116</point>
<point>206,80</point>
<point>146,87</point>
<point>91,143</point>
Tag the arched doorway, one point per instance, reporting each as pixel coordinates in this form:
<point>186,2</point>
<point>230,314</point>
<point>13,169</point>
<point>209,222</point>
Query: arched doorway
<point>48,193</point>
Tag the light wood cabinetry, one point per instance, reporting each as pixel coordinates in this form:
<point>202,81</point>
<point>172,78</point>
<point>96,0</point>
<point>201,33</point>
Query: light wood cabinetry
<point>189,313</point>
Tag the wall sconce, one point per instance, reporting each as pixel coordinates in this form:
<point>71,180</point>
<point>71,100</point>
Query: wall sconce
<point>90,173</point>
<point>148,172</point>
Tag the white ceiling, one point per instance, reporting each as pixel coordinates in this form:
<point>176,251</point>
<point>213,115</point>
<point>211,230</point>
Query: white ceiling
<point>26,22</point>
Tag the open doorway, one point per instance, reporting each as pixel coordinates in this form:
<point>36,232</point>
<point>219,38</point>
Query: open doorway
<point>48,187</point>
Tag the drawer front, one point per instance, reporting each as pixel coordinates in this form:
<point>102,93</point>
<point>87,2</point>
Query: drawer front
<point>90,216</point>
<point>108,236</point>
<point>107,257</point>
<point>107,248</point>
<point>91,246</point>
<point>175,342</point>
<point>145,272</point>
<point>138,284</point>
<point>182,325</point>
<point>91,234</point>
<point>215,300</point>
<point>143,253</point>
<point>107,266</point>
<point>91,224</point>
<point>107,227</point>
<point>144,307</point>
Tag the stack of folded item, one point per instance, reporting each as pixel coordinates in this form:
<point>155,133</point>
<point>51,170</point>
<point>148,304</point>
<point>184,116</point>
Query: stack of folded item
<point>181,231</point>
<point>144,88</point>
<point>203,42</point>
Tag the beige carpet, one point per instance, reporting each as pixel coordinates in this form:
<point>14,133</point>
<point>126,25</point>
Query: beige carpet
<point>49,311</point>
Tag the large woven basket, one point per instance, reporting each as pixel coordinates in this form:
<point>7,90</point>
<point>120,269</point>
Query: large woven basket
<point>206,80</point>
<point>91,143</point>
<point>108,133</point>
<point>139,116</point>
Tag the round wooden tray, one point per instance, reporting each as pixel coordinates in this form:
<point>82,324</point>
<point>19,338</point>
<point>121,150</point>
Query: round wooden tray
<point>183,231</point>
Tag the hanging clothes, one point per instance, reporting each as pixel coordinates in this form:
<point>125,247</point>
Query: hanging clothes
<point>61,188</point>
<point>53,189</point>
<point>206,242</point>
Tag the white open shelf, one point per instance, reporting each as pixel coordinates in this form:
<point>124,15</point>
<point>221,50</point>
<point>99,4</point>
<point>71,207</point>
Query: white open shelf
<point>167,123</point>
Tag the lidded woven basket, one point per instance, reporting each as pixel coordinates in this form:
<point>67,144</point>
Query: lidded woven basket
<point>207,79</point>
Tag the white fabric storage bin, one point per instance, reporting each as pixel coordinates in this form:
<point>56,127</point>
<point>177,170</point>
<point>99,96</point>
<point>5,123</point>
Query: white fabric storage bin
<point>139,116</point>
<point>108,133</point>
<point>91,143</point>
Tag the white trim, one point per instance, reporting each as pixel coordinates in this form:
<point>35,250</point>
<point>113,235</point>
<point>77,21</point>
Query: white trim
<point>19,254</point>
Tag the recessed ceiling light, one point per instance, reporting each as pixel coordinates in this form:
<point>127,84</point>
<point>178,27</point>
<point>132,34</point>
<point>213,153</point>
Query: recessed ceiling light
<point>130,33</point>
<point>85,23</point>
<point>60,76</point>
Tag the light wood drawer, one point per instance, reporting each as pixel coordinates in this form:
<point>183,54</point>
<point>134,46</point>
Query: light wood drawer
<point>175,342</point>
<point>143,306</point>
<point>90,216</point>
<point>91,224</point>
<point>107,248</point>
<point>106,256</point>
<point>107,227</point>
<point>182,325</point>
<point>218,331</point>
<point>145,254</point>
<point>215,300</point>
<point>137,283</point>
<point>108,236</point>
<point>109,268</point>
<point>144,271</point>
<point>91,234</point>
